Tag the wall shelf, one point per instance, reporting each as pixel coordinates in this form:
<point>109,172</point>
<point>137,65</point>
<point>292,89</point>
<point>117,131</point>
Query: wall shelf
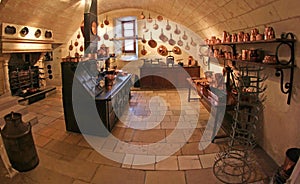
<point>286,39</point>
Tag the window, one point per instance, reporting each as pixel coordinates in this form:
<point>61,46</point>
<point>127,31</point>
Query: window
<point>128,31</point>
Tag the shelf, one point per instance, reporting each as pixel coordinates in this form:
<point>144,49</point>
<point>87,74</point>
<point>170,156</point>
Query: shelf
<point>287,39</point>
<point>277,40</point>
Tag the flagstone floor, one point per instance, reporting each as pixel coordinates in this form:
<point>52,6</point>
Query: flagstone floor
<point>161,138</point>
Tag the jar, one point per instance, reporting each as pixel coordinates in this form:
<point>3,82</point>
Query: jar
<point>245,54</point>
<point>234,37</point>
<point>246,37</point>
<point>224,36</point>
<point>240,36</point>
<point>259,37</point>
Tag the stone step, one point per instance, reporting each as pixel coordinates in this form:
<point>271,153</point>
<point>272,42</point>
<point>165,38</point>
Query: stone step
<point>8,101</point>
<point>16,108</point>
<point>30,118</point>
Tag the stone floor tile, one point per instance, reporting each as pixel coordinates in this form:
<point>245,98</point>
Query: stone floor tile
<point>207,160</point>
<point>170,163</point>
<point>58,124</point>
<point>73,138</point>
<point>47,119</point>
<point>149,136</point>
<point>168,124</point>
<point>96,157</point>
<point>128,160</point>
<point>201,176</point>
<point>41,141</point>
<point>191,149</point>
<point>44,175</point>
<point>211,148</point>
<point>79,182</point>
<point>143,160</point>
<point>75,168</point>
<point>59,135</point>
<point>63,148</point>
<point>47,131</point>
<point>113,175</point>
<point>165,177</point>
<point>189,162</point>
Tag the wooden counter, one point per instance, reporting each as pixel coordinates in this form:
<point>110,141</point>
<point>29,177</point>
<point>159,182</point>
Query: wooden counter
<point>156,76</point>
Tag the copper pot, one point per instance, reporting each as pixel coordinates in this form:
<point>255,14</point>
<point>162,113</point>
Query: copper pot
<point>246,37</point>
<point>240,36</point>
<point>234,37</point>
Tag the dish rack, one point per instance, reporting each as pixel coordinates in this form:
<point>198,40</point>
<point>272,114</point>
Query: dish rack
<point>235,163</point>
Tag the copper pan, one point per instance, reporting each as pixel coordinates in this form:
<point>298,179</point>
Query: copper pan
<point>152,43</point>
<point>162,50</point>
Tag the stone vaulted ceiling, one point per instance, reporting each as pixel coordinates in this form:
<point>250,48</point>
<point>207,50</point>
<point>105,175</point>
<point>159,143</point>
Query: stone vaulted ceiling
<point>204,17</point>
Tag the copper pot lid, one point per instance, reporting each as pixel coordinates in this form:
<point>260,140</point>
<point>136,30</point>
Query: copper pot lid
<point>162,50</point>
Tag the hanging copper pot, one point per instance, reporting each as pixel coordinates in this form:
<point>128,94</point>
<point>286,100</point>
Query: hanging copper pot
<point>184,36</point>
<point>152,43</point>
<point>143,51</point>
<point>162,50</point>
<point>187,47</point>
<point>149,19</point>
<point>168,27</point>
<point>160,18</point>
<point>163,37</point>
<point>106,22</point>
<point>177,31</point>
<point>176,50</point>
<point>171,40</point>
<point>142,16</point>
<point>81,48</point>
<point>193,43</point>
<point>105,36</point>
<point>180,42</point>
<point>76,43</point>
<point>78,35</point>
<point>155,26</point>
<point>143,39</point>
<point>71,46</point>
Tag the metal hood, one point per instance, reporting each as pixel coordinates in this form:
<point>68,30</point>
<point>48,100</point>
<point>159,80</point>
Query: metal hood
<point>20,38</point>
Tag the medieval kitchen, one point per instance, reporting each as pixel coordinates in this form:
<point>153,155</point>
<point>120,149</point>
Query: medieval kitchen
<point>149,92</point>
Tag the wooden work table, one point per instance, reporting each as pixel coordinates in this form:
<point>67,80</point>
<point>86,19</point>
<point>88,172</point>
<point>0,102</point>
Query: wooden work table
<point>215,102</point>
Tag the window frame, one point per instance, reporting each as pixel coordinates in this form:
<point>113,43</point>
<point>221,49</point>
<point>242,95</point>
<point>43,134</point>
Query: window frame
<point>133,38</point>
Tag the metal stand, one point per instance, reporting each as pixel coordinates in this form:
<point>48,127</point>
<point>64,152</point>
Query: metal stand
<point>233,165</point>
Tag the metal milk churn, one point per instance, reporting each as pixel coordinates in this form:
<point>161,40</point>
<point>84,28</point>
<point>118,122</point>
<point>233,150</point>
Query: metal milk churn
<point>18,142</point>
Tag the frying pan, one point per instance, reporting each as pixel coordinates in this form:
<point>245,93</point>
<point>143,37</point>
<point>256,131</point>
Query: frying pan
<point>193,43</point>
<point>180,42</point>
<point>76,43</point>
<point>163,37</point>
<point>171,40</point>
<point>184,36</point>
<point>149,19</point>
<point>145,28</point>
<point>177,31</point>
<point>102,24</point>
<point>168,27</point>
<point>143,51</point>
<point>106,22</point>
<point>152,43</point>
<point>94,28</point>
<point>143,39</point>
<point>76,53</point>
<point>162,50</point>
<point>187,47</point>
<point>71,46</point>
<point>155,26</point>
<point>81,48</point>
<point>105,36</point>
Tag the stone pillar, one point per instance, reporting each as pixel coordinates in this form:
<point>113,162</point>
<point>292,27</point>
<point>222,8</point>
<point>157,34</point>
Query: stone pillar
<point>5,60</point>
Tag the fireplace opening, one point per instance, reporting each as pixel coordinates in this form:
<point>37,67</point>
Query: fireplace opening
<point>23,75</point>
